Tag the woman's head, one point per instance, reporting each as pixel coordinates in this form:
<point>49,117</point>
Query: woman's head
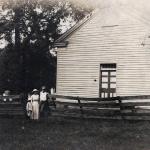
<point>35,91</point>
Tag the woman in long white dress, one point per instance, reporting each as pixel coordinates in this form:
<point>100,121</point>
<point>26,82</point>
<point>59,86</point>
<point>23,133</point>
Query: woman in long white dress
<point>35,99</point>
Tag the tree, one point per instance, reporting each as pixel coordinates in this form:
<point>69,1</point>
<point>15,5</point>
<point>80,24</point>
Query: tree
<point>30,27</point>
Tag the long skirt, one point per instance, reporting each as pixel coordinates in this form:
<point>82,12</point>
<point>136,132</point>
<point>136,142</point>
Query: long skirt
<point>35,110</point>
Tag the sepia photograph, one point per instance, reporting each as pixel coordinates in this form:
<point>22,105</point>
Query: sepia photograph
<point>74,74</point>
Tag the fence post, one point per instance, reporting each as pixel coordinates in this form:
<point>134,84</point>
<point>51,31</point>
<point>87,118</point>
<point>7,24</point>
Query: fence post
<point>80,105</point>
<point>121,108</point>
<point>53,101</point>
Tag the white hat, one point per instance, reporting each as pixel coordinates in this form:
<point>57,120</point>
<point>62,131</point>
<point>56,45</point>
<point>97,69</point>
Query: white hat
<point>35,90</point>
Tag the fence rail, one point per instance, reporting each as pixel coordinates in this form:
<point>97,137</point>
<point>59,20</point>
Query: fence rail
<point>102,99</point>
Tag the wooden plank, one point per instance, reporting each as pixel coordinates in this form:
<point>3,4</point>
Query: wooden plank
<point>97,105</point>
<point>102,112</point>
<point>136,104</point>
<point>83,98</point>
<point>9,103</point>
<point>135,114</point>
<point>11,109</point>
<point>77,109</point>
<point>11,96</point>
<point>13,113</point>
<point>102,99</point>
<point>90,104</point>
<point>135,97</point>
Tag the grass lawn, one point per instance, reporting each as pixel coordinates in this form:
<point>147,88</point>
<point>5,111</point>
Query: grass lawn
<point>73,134</point>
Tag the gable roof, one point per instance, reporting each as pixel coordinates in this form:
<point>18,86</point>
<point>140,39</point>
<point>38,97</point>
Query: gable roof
<point>60,42</point>
<point>139,13</point>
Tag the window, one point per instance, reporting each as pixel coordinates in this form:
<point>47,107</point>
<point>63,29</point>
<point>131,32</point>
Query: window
<point>107,80</point>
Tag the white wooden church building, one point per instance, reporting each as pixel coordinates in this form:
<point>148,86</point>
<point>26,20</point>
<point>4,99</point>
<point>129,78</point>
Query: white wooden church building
<point>106,54</point>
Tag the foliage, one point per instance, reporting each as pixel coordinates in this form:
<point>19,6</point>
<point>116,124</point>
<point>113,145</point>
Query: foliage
<point>30,27</point>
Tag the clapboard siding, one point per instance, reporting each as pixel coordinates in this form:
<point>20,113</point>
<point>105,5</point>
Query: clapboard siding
<point>127,44</point>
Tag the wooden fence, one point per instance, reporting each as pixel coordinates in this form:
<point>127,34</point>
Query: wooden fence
<point>12,105</point>
<point>115,107</point>
<point>120,107</point>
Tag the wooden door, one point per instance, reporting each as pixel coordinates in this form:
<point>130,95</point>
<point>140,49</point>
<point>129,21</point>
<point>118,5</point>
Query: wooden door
<point>107,80</point>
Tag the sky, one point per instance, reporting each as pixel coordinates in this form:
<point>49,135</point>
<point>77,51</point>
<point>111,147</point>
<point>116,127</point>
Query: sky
<point>104,3</point>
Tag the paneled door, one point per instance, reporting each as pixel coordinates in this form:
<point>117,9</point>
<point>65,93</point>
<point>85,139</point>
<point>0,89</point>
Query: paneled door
<point>107,80</point>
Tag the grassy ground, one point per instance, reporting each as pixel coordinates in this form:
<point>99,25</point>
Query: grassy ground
<point>69,134</point>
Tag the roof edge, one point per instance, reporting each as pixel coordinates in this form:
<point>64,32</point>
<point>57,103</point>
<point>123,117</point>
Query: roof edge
<point>62,38</point>
<point>60,44</point>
